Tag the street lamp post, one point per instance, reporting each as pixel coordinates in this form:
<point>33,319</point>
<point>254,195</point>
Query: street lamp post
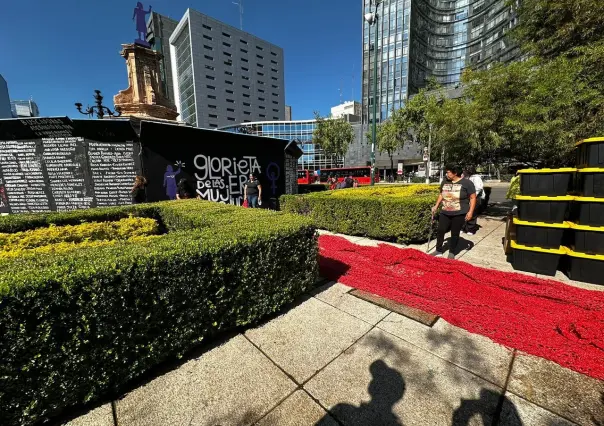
<point>371,19</point>
<point>100,109</point>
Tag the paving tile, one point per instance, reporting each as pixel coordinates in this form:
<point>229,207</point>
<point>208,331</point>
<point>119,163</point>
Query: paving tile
<point>100,416</point>
<point>517,412</point>
<point>415,314</point>
<point>233,384</point>
<point>308,337</point>
<point>298,410</point>
<point>473,352</point>
<point>557,389</point>
<point>383,380</point>
<point>337,296</point>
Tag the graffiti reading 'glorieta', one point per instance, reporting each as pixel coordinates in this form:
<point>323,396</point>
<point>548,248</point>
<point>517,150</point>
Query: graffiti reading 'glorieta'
<point>222,179</point>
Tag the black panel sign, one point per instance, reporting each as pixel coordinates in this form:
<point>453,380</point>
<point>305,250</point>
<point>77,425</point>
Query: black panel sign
<point>48,164</point>
<point>216,164</point>
<point>113,170</point>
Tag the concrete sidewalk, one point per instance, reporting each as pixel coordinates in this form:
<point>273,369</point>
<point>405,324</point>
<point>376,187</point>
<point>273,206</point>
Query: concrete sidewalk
<point>335,359</point>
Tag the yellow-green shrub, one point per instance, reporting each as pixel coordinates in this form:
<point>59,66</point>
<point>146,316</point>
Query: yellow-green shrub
<point>392,213</point>
<point>95,231</point>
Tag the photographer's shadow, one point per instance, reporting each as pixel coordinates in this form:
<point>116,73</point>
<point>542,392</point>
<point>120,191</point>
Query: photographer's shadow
<point>386,388</point>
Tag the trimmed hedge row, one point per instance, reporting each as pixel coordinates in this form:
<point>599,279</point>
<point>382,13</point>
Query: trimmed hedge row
<point>393,213</point>
<point>79,325</point>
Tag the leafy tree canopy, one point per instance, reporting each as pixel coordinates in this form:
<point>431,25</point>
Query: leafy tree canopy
<point>333,135</point>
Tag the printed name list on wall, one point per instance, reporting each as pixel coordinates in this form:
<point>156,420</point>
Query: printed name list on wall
<point>223,179</point>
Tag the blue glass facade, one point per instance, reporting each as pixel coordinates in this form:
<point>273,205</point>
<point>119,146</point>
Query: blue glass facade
<point>314,157</point>
<point>423,39</point>
<point>5,106</point>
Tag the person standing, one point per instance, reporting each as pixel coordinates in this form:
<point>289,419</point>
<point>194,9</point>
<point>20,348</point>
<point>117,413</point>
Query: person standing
<point>138,191</point>
<point>458,198</point>
<point>471,226</point>
<point>253,192</point>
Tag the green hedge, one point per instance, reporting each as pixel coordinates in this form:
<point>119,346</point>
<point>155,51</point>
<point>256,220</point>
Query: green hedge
<point>77,326</point>
<point>392,213</point>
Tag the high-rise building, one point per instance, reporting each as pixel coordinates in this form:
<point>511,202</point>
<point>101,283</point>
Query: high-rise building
<point>288,113</point>
<point>159,31</point>
<point>24,109</point>
<point>223,75</point>
<point>423,39</point>
<point>346,108</point>
<point>5,106</point>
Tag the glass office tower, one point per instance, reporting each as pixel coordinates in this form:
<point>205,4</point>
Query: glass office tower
<point>423,39</point>
<point>301,131</point>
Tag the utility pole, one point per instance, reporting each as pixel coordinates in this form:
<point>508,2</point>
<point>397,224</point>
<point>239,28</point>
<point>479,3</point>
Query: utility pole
<point>427,154</point>
<point>240,4</point>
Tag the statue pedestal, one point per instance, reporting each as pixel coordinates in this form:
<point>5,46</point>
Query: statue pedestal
<point>144,97</point>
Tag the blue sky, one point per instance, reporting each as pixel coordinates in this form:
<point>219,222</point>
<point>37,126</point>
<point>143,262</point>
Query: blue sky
<point>59,51</point>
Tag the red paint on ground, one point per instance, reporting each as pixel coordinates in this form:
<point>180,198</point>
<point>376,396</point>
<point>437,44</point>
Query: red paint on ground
<point>545,318</point>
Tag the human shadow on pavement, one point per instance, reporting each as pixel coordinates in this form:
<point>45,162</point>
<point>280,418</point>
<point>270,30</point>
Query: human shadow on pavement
<point>504,414</point>
<point>386,388</point>
<point>462,245</point>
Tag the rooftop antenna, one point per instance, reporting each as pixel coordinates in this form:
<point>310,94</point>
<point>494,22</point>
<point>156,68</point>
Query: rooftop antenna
<point>240,4</point>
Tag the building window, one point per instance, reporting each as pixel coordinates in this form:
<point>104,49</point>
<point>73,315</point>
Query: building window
<point>262,116</point>
<point>212,116</point>
<point>229,63</point>
<point>213,125</point>
<point>228,91</point>
<point>243,50</point>
<point>275,94</point>
<point>275,110</point>
<point>247,121</point>
<point>274,78</point>
<point>207,37</point>
<point>208,47</point>
<point>275,118</point>
<point>260,91</point>
<point>230,101</point>
<point>276,103</point>
<point>211,97</point>
<point>227,54</point>
<point>273,53</point>
<point>245,69</point>
<point>228,73</point>
<point>259,56</point>
<point>246,112</point>
<point>261,107</point>
<point>210,87</point>
<point>207,27</point>
<point>245,86</point>
<point>246,95</point>
<point>260,73</point>
<point>209,58</point>
<point>244,60</point>
<point>212,106</point>
<point>242,41</point>
<point>261,99</point>
<point>259,48</point>
<point>274,70</point>
<point>230,119</point>
<point>230,110</point>
<point>245,77</point>
<point>260,65</point>
<point>246,104</point>
<point>209,77</point>
<point>260,82</point>
<point>226,35</point>
<point>273,62</point>
<point>274,86</point>
<point>224,43</point>
<point>228,82</point>
<point>209,67</point>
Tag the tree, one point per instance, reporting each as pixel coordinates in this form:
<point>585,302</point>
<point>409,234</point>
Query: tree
<point>333,135</point>
<point>390,138</point>
<point>550,28</point>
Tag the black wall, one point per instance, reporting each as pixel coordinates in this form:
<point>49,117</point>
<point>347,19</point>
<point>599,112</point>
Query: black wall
<point>215,163</point>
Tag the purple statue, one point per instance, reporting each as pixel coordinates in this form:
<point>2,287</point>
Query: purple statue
<point>141,24</point>
<point>170,182</point>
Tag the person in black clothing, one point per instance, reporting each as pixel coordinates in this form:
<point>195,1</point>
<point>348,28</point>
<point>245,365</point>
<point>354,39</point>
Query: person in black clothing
<point>458,198</point>
<point>138,190</point>
<point>253,192</point>
<point>184,190</point>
